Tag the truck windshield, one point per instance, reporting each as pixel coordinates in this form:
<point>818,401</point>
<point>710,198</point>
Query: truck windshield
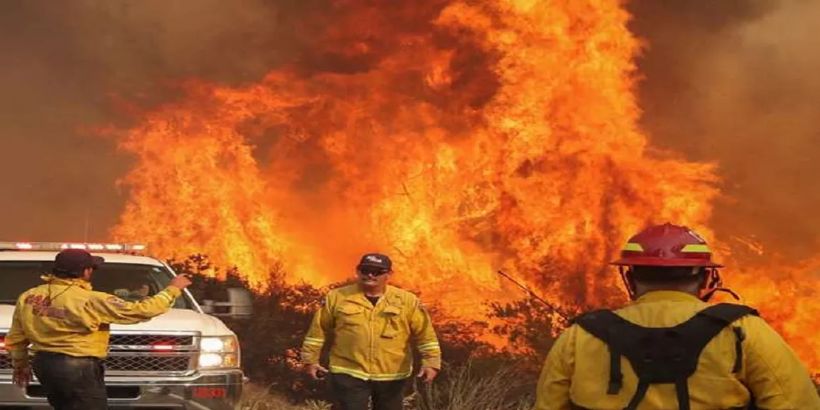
<point>132,282</point>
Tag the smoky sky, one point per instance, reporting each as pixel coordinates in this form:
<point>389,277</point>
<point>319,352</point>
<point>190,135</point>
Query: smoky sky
<point>729,81</point>
<point>735,82</point>
<point>69,67</point>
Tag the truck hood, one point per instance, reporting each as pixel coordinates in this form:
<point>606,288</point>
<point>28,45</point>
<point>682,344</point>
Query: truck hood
<point>178,319</point>
<point>173,320</point>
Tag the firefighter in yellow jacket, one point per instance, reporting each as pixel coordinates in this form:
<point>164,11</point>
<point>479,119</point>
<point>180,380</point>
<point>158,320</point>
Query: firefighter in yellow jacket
<point>373,328</point>
<point>67,325</point>
<point>669,349</point>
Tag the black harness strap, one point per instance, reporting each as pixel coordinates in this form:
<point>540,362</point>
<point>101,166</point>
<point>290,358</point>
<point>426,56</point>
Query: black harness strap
<point>728,313</point>
<point>740,336</point>
<point>616,378</point>
<point>682,390</point>
<point>599,323</point>
<point>640,392</point>
<point>662,355</point>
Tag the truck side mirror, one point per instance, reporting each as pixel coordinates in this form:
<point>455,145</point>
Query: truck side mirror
<point>239,304</point>
<point>207,306</point>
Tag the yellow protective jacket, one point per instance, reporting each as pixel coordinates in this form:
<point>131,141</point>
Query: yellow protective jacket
<point>576,371</point>
<point>372,342</point>
<point>76,320</point>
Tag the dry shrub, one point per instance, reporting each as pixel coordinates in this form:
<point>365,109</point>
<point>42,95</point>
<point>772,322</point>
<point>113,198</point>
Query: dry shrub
<point>463,388</point>
<point>270,339</point>
<point>258,398</point>
<point>476,377</point>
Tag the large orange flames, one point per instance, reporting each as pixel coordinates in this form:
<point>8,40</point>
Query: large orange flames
<point>458,137</point>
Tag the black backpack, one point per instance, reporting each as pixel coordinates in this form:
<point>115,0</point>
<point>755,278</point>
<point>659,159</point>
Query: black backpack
<point>666,355</point>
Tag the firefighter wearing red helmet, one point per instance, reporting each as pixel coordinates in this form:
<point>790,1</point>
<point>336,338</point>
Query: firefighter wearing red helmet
<point>669,349</point>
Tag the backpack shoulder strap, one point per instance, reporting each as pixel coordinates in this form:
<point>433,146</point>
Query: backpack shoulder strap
<point>726,314</point>
<point>603,325</point>
<point>599,323</point>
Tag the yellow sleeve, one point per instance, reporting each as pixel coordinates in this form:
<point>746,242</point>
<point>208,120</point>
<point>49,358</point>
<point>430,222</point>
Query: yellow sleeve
<point>773,373</point>
<point>320,327</point>
<point>104,308</point>
<point>16,340</point>
<point>552,392</point>
<point>421,328</point>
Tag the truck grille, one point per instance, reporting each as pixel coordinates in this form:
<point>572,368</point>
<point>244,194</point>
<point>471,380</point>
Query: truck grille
<point>180,363</point>
<point>149,340</point>
<point>138,353</point>
<point>134,354</point>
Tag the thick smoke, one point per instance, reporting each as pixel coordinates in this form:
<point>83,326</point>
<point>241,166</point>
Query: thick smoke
<point>731,81</point>
<point>70,67</point>
<point>736,82</point>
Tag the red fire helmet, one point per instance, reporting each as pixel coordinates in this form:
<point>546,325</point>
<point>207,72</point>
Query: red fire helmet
<point>666,245</point>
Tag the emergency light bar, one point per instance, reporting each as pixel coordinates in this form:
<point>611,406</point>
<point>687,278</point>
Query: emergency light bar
<point>58,246</point>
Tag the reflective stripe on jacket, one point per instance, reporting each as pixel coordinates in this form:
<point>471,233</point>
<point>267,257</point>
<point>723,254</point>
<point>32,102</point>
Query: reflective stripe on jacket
<point>76,320</point>
<point>372,342</point>
<point>576,371</point>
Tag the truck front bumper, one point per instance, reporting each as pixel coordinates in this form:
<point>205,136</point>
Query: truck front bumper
<point>200,391</point>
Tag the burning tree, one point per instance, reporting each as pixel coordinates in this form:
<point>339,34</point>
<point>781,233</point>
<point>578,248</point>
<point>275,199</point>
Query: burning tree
<point>458,136</point>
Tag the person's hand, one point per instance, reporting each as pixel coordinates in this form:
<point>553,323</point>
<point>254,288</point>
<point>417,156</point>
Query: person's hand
<point>180,281</point>
<point>427,374</point>
<point>316,371</point>
<point>21,376</point>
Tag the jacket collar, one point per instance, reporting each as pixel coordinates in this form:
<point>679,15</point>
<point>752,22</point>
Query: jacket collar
<point>53,280</point>
<point>390,296</point>
<point>666,296</point>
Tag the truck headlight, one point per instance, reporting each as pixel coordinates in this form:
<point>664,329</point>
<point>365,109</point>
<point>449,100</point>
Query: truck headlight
<point>218,352</point>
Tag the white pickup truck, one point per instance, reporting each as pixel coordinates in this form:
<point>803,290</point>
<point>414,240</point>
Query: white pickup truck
<point>183,359</point>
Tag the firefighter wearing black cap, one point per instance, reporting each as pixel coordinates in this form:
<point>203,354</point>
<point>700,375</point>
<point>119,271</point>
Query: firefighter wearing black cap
<point>670,349</point>
<point>66,324</point>
<point>373,327</point>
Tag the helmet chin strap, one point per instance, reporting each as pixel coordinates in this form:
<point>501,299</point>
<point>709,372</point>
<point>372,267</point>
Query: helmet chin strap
<point>714,285</point>
<point>630,289</point>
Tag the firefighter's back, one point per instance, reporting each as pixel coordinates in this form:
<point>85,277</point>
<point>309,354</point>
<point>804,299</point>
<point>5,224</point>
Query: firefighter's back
<point>767,369</point>
<point>54,318</point>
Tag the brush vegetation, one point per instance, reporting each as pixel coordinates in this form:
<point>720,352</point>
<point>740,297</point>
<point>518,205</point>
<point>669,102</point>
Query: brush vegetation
<point>475,376</point>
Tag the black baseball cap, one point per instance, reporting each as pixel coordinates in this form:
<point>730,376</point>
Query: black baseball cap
<point>375,261</point>
<point>74,261</point>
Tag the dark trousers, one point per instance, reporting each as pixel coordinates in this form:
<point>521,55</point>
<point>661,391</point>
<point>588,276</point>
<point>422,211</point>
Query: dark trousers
<point>71,383</point>
<point>351,393</point>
